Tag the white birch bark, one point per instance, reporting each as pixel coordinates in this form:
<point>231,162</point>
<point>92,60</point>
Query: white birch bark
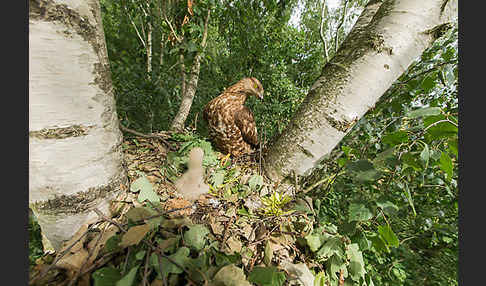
<point>387,37</point>
<point>74,141</point>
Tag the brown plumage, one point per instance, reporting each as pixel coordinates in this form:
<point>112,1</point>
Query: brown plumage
<point>232,127</point>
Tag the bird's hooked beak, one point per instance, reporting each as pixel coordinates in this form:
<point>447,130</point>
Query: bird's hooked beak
<point>260,95</point>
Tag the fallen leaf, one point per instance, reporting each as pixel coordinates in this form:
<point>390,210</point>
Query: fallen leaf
<point>299,272</point>
<point>233,245</point>
<point>73,261</point>
<point>134,235</point>
<point>230,275</point>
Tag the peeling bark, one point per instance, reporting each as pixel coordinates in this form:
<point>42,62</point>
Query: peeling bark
<point>74,141</point>
<point>387,37</point>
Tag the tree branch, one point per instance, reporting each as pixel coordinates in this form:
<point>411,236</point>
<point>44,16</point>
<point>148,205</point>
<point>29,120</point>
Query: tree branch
<point>321,29</point>
<point>336,38</point>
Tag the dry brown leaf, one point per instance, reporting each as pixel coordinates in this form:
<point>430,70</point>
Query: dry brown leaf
<point>248,232</point>
<point>233,245</point>
<point>138,214</point>
<point>134,235</point>
<point>217,228</point>
<point>73,261</point>
<point>176,222</point>
<point>81,231</point>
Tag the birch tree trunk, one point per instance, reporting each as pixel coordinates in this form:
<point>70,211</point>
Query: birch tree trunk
<point>387,37</point>
<point>74,141</point>
<point>189,88</point>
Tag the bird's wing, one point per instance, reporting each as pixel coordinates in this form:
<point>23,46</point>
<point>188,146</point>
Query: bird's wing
<point>246,123</point>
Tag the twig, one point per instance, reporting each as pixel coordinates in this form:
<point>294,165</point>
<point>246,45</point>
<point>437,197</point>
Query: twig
<point>145,135</point>
<point>341,277</point>
<point>129,249</point>
<point>91,251</point>
<point>105,218</point>
<point>321,29</point>
<point>225,233</point>
<point>146,271</point>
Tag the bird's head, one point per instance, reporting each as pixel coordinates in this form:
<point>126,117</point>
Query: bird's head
<point>253,87</point>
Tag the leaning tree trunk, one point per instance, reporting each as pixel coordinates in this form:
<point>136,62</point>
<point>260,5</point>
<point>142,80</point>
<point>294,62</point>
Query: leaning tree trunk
<point>74,141</point>
<point>387,37</point>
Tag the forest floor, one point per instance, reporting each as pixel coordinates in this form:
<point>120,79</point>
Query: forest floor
<point>243,231</point>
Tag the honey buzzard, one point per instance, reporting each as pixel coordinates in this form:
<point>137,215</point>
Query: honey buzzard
<point>232,127</point>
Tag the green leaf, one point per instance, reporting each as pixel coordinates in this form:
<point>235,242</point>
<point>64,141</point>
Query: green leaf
<point>429,82</point>
<point>387,234</point>
<point>106,276</point>
<point>359,212</point>
<point>425,154</point>
<point>387,206</point>
<point>445,164</point>
<point>439,130</point>
<point>380,159</point>
<point>143,185</point>
<point>356,263</point>
<point>315,241</point>
<point>268,254</point>
<point>112,243</point>
<point>332,246</point>
<point>196,236</point>
<point>426,111</point>
<point>395,138</point>
<point>379,244</point>
<point>267,276</point>
<point>128,279</point>
<point>410,160</point>
<point>452,144</point>
<point>218,178</point>
<point>335,264</point>
<point>254,181</point>
<point>230,275</point>
<point>181,257</point>
<point>140,255</point>
<point>360,166</point>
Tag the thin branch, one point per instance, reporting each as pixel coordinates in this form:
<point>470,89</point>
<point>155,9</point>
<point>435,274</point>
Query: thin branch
<point>135,27</point>
<point>321,29</point>
<point>336,38</point>
<point>172,29</point>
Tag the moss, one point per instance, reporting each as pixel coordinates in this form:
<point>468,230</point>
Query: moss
<point>61,133</point>
<point>82,201</point>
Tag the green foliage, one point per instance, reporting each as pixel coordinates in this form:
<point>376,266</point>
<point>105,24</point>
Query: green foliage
<point>267,276</point>
<point>399,186</point>
<point>35,240</point>
<point>273,205</point>
<point>388,217</point>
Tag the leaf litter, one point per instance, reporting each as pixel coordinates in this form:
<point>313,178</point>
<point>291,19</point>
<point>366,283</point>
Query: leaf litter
<point>242,232</point>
